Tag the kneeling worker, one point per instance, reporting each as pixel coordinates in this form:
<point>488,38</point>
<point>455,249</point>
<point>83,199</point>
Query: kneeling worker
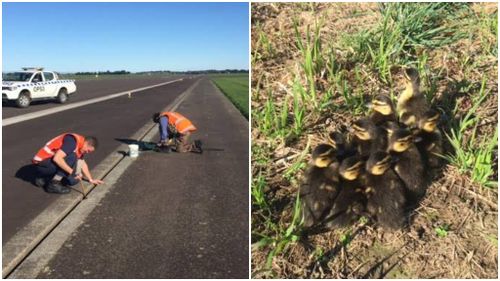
<point>178,128</point>
<point>60,162</point>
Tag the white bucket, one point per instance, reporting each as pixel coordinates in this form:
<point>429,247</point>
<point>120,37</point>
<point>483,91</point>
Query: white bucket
<point>133,150</point>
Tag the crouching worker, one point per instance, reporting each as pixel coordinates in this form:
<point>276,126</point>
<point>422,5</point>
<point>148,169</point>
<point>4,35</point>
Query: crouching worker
<point>60,162</point>
<point>175,129</point>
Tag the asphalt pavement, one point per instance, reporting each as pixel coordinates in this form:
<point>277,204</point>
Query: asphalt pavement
<point>88,89</point>
<point>109,121</point>
<point>172,215</point>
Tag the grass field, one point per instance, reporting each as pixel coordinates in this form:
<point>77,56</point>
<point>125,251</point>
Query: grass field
<point>235,87</point>
<point>314,68</point>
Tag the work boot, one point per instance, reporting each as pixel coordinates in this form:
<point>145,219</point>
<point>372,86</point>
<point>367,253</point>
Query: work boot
<point>198,143</point>
<point>163,149</point>
<point>40,182</point>
<point>161,143</point>
<point>56,187</point>
<point>195,149</point>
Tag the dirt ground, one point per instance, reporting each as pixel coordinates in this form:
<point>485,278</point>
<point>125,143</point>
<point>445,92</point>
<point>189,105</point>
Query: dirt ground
<point>466,211</point>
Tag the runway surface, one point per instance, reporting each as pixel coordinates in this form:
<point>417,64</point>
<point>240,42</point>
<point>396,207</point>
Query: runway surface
<point>172,215</point>
<point>107,120</point>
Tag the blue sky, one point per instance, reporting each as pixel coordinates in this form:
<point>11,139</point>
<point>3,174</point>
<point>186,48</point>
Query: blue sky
<point>69,37</point>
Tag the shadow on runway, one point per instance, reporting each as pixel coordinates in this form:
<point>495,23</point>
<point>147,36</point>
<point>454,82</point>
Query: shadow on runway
<point>143,145</point>
<point>27,173</point>
<point>151,146</point>
<point>36,102</point>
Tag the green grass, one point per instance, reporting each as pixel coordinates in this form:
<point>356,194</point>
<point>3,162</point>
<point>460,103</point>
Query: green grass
<point>258,195</point>
<point>346,238</point>
<point>442,231</point>
<point>473,154</point>
<point>263,49</point>
<point>404,31</point>
<point>281,236</point>
<point>313,60</point>
<point>235,87</point>
<point>274,120</point>
<point>486,28</point>
<point>277,235</point>
<point>428,25</point>
<point>290,174</point>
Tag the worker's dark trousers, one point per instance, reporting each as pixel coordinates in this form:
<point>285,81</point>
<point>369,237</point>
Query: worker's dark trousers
<point>48,169</point>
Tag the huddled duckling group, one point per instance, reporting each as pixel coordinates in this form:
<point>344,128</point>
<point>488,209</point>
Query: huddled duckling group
<point>381,169</point>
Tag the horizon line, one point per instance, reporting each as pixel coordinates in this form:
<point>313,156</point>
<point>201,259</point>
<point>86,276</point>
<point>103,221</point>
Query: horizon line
<point>105,71</point>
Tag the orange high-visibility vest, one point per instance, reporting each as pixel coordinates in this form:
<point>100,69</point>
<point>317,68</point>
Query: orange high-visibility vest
<point>181,123</point>
<point>55,144</point>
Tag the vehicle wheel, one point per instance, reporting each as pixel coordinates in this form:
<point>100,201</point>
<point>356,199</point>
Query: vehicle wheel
<point>23,100</point>
<point>62,97</point>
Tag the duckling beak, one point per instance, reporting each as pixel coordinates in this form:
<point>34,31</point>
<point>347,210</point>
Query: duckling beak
<point>369,105</point>
<point>350,130</point>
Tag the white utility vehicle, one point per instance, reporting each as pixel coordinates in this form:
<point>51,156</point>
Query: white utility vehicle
<point>35,84</point>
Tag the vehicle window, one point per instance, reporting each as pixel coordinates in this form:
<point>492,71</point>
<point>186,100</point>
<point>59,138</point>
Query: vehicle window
<point>37,78</point>
<point>17,76</point>
<point>49,76</point>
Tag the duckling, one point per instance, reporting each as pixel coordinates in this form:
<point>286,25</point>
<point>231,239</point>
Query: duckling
<point>385,191</point>
<point>343,148</point>
<point>349,204</point>
<point>390,126</point>
<point>382,110</point>
<point>368,137</point>
<point>321,185</point>
<point>409,166</point>
<point>411,104</point>
<point>429,140</point>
